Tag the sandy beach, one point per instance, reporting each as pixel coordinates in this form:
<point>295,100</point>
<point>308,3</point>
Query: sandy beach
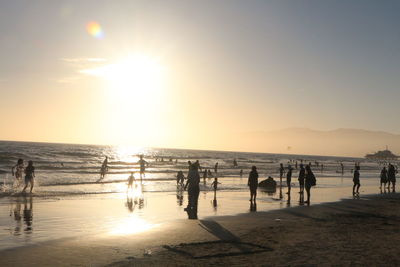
<point>352,232</point>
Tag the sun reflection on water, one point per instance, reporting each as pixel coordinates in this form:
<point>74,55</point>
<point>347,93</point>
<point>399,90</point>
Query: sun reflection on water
<point>131,225</point>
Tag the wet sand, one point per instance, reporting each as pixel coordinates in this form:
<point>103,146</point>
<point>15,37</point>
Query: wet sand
<point>352,232</point>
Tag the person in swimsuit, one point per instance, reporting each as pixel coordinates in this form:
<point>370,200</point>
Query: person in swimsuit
<point>29,175</point>
<point>143,165</point>
<point>18,170</point>
<point>180,178</point>
<point>253,183</point>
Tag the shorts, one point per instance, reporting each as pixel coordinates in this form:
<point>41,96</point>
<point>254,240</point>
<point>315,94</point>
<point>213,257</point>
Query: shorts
<point>142,169</point>
<point>253,189</point>
<point>383,181</point>
<point>301,182</point>
<point>28,179</point>
<point>356,181</point>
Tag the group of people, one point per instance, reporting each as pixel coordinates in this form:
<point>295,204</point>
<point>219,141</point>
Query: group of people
<point>19,169</point>
<point>388,176</point>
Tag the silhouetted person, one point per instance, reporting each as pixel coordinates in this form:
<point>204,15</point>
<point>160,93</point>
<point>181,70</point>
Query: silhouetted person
<point>29,175</point>
<point>209,173</point>
<point>143,165</point>
<point>193,192</point>
<point>281,172</point>
<point>180,178</point>
<point>216,168</point>
<point>342,167</point>
<point>17,170</point>
<point>391,177</point>
<point>289,178</point>
<point>356,180</point>
<point>309,182</point>
<point>241,173</point>
<point>197,165</point>
<point>383,177</point>
<point>131,180</point>
<point>302,176</point>
<point>235,163</point>
<point>295,165</point>
<point>253,183</point>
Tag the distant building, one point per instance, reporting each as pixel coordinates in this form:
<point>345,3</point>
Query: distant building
<point>383,154</point>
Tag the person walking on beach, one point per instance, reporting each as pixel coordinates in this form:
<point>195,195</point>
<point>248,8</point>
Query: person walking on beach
<point>29,175</point>
<point>384,178</point>
<point>253,183</point>
<point>356,180</point>
<point>143,165</point>
<point>180,178</point>
<point>289,179</point>
<point>193,181</point>
<point>391,174</point>
<point>310,181</point>
<point>302,176</point>
<point>18,170</point>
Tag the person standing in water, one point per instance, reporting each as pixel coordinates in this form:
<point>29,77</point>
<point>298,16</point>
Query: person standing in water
<point>180,178</point>
<point>309,182</point>
<point>216,168</point>
<point>391,174</point>
<point>193,192</point>
<point>383,178</point>
<point>104,168</point>
<point>281,172</point>
<point>289,179</point>
<point>143,165</point>
<point>302,176</point>
<point>204,175</point>
<point>131,181</point>
<point>356,180</point>
<point>18,170</point>
<point>253,183</point>
<point>29,175</point>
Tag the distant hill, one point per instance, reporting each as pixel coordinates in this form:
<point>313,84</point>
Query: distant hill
<point>340,142</point>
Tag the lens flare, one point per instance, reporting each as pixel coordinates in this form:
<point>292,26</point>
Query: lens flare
<point>94,29</point>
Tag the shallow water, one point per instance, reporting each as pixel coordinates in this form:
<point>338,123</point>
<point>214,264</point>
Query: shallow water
<point>68,200</point>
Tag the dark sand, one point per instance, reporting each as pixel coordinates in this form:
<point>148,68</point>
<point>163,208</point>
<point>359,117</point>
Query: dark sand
<point>356,232</point>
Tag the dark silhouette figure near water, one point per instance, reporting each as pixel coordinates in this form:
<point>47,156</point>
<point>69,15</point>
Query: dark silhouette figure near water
<point>216,168</point>
<point>29,176</point>
<point>281,172</point>
<point>391,177</point>
<point>18,171</point>
<point>253,183</point>
<point>383,178</point>
<point>104,168</point>
<point>302,176</point>
<point>180,178</point>
<point>289,179</point>
<point>192,183</point>
<point>143,165</point>
<point>310,181</point>
<point>356,180</point>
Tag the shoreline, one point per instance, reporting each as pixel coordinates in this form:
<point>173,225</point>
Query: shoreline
<point>281,232</point>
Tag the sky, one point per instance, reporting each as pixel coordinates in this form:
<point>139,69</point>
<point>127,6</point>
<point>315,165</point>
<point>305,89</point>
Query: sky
<point>195,74</point>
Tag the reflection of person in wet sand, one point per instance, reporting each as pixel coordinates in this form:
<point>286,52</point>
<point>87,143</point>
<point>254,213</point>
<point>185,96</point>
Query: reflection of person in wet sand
<point>29,176</point>
<point>143,165</point>
<point>28,214</point>
<point>179,195</point>
<point>253,183</point>
<point>215,186</point>
<point>18,170</point>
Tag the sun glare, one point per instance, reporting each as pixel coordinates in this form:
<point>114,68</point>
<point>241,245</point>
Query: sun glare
<point>133,97</point>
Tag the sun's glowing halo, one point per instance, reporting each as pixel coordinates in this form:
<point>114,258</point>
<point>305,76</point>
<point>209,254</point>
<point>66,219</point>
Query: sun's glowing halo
<point>134,97</point>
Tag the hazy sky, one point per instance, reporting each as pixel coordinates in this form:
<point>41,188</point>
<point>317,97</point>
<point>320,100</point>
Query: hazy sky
<point>194,73</point>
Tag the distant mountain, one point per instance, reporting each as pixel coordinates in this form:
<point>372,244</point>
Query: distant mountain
<point>340,142</point>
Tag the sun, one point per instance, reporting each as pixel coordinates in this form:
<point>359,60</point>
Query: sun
<point>133,98</point>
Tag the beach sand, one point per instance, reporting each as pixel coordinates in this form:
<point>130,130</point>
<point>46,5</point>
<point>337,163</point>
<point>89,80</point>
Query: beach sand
<point>352,232</point>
